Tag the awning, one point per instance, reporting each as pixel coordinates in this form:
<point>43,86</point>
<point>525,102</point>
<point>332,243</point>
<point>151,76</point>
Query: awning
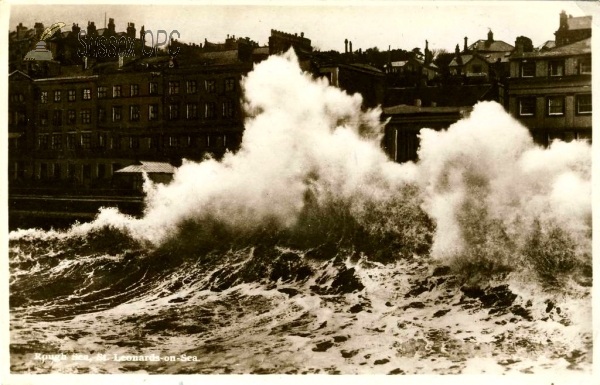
<point>148,167</point>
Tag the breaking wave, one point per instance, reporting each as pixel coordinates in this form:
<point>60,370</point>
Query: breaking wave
<point>311,199</point>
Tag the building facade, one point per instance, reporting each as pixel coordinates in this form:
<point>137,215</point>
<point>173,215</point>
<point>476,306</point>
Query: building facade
<point>550,92</point>
<point>79,130</point>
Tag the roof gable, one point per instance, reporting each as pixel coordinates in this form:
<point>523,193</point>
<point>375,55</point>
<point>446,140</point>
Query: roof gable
<point>19,74</point>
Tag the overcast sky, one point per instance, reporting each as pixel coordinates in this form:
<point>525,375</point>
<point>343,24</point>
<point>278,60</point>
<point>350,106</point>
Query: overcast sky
<point>399,24</point>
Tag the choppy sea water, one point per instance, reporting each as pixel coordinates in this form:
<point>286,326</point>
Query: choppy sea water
<point>309,252</point>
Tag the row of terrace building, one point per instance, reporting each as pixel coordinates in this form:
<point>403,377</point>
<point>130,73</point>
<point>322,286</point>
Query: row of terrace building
<point>79,121</point>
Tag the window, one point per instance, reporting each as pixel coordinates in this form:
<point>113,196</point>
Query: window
<point>71,171</point>
<point>153,112</point>
<point>102,92</point>
<point>134,90</point>
<point>209,110</point>
<point>210,86</point>
<point>173,88</point>
<point>153,88</point>
<point>556,68</point>
<point>173,141</point>
<point>116,114</point>
<point>152,142</point>
<point>134,142</point>
<point>44,118</point>
<point>173,111</point>
<point>71,141</point>
<point>584,104</point>
<point>115,142</point>
<point>527,107</point>
<point>228,109</point>
<point>134,113</point>
<point>56,170</point>
<point>87,171</point>
<point>101,140</point>
<point>556,106</point>
<point>86,116</point>
<point>43,171</point>
<point>585,66</point>
<point>71,95</point>
<point>86,140</point>
<point>71,117</point>
<point>57,118</point>
<point>477,68</point>
<point>87,94</point>
<point>20,118</point>
<point>56,96</point>
<point>101,170</point>
<point>101,115</point>
<point>17,97</point>
<point>116,91</point>
<point>56,141</point>
<point>200,141</point>
<point>229,84</point>
<point>192,86</point>
<point>20,174</point>
<point>44,97</point>
<point>527,69</point>
<point>191,111</point>
<point>43,141</point>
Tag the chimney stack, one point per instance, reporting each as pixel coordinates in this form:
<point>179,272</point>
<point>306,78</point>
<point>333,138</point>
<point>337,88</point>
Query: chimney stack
<point>131,30</point>
<point>563,21</point>
<point>466,45</point>
<point>346,46</point>
<point>350,47</point>
<point>91,28</point>
<point>39,29</point>
<point>490,36</point>
<point>111,27</point>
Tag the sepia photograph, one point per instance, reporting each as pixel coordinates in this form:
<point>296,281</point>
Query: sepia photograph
<point>399,188</point>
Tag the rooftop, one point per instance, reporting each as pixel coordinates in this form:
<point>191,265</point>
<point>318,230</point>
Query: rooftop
<point>465,59</point>
<point>494,46</point>
<point>581,47</point>
<point>582,22</point>
<point>404,109</point>
<point>220,57</point>
<point>549,44</point>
